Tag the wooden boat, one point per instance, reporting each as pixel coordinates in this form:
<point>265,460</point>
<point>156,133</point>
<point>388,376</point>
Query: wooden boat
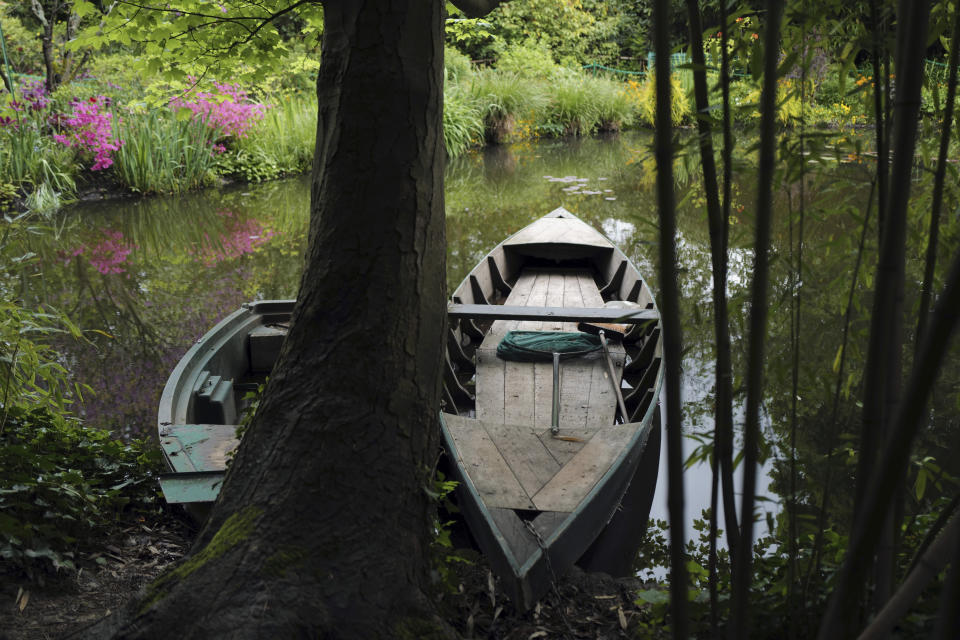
<point>203,400</point>
<point>538,502</point>
<point>534,503</point>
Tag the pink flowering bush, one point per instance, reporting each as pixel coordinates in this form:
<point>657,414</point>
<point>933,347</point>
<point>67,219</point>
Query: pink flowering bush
<point>108,255</point>
<point>229,110</point>
<point>90,129</point>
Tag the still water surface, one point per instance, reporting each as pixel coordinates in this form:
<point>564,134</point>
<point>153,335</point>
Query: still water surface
<point>155,274</point>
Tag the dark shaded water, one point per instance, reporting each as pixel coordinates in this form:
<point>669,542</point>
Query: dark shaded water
<point>153,275</point>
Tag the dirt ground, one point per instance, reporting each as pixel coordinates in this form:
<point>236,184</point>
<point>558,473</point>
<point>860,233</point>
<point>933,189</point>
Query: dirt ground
<point>132,558</point>
<point>580,606</point>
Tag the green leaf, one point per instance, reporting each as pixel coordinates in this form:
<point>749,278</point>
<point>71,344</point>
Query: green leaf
<point>652,596</point>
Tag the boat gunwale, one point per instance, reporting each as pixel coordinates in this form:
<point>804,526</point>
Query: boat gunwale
<point>192,363</point>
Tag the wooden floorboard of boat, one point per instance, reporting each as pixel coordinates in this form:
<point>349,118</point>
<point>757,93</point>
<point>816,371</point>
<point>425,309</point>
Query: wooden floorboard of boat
<point>584,470</point>
<point>522,392</point>
<point>530,461</point>
<point>513,467</point>
<point>489,471</point>
<point>198,447</point>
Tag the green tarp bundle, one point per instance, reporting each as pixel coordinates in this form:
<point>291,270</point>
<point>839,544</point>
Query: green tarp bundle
<point>539,346</point>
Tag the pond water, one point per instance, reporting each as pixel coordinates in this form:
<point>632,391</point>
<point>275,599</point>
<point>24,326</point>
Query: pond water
<point>152,275</point>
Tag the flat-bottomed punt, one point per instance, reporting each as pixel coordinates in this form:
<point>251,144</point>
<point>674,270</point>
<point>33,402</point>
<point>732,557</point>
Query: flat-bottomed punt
<point>537,501</point>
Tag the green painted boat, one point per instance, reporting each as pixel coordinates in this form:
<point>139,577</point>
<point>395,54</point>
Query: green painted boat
<point>544,489</point>
<point>203,400</point>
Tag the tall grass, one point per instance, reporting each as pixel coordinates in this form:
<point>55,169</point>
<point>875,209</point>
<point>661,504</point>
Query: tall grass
<point>615,108</point>
<point>581,104</point>
<point>280,144</point>
<point>462,120</point>
<point>572,109</point>
<point>502,98</point>
<point>163,154</point>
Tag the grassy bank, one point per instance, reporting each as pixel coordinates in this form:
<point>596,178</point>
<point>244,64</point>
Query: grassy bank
<point>114,131</point>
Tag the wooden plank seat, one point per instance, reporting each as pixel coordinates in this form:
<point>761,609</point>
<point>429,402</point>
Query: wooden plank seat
<point>563,314</point>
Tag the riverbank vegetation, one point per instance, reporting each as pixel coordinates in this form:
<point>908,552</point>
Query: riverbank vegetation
<point>111,121</point>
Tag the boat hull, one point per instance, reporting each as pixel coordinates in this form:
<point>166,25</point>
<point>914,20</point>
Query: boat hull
<point>529,539</point>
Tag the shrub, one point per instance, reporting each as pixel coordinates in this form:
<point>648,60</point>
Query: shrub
<point>644,97</point>
<point>60,484</point>
<point>90,129</point>
<point>529,61</point>
<point>228,109</point>
<point>456,65</point>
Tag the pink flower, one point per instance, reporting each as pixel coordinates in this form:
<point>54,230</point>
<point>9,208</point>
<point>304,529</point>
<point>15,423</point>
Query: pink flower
<point>91,130</point>
<point>229,110</point>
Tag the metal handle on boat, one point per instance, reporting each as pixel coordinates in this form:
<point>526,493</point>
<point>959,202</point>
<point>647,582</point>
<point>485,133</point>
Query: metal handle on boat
<point>613,377</point>
<point>555,414</point>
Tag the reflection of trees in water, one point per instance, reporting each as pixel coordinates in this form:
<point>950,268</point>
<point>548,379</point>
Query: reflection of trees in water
<point>146,278</point>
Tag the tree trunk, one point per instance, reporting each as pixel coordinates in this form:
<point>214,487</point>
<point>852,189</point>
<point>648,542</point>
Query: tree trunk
<point>46,40</point>
<point>322,526</point>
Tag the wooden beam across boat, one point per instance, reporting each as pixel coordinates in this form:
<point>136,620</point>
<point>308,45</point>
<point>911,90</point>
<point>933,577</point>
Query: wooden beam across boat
<point>562,314</point>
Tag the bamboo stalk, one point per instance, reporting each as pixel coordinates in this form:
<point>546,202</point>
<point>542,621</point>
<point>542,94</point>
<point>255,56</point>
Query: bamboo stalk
<point>937,203</point>
<point>882,378</point>
<point>838,621</point>
<point>743,556</point>
<point>723,408</point>
<point>725,425</point>
<point>934,559</point>
<point>670,310</point>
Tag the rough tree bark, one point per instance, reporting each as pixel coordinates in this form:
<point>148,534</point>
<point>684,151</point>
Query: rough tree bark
<point>322,526</point>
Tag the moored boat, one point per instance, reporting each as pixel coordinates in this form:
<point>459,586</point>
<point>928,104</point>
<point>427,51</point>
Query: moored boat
<point>553,469</point>
<point>203,400</point>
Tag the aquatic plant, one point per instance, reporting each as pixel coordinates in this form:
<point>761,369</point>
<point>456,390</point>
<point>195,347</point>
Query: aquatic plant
<point>162,154</point>
<point>502,98</point>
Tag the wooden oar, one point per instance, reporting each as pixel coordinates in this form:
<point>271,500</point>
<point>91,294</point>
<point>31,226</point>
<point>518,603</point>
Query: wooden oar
<point>617,331</point>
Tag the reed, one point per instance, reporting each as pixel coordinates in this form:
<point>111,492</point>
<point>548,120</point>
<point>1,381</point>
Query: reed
<point>30,158</point>
<point>163,154</point>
